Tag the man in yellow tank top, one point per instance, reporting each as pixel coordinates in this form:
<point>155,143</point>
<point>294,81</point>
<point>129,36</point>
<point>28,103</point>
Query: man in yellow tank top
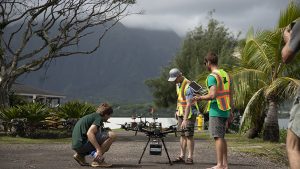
<point>186,113</point>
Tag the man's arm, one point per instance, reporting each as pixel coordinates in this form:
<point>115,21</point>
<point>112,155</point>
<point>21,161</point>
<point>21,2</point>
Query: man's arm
<point>187,109</point>
<point>212,94</point>
<point>286,53</point>
<point>189,98</point>
<point>292,40</point>
<point>91,134</point>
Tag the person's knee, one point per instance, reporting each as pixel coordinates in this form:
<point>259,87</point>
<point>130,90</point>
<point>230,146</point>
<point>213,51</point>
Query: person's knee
<point>292,141</point>
<point>112,135</point>
<point>217,138</point>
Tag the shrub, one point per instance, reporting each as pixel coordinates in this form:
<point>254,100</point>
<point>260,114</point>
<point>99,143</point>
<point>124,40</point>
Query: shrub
<point>75,109</point>
<point>282,135</point>
<point>34,112</point>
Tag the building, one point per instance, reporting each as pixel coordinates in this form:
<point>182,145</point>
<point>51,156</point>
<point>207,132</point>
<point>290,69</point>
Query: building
<point>37,95</point>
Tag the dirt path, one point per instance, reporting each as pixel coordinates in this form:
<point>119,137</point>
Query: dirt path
<point>124,154</point>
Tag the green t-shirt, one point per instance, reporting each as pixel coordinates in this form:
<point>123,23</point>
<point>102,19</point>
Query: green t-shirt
<point>79,134</point>
<point>214,109</point>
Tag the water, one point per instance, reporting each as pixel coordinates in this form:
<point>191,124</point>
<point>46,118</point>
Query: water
<point>166,122</point>
<point>116,121</point>
<point>283,123</point>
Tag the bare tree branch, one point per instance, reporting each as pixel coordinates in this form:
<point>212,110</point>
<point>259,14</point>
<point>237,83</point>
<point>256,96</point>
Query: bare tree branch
<point>56,26</point>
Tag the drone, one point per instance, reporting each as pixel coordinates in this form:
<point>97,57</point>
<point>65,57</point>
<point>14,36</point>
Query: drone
<point>155,134</point>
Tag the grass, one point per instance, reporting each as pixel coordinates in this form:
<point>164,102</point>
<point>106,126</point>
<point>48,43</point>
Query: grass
<point>20,140</point>
<point>274,152</point>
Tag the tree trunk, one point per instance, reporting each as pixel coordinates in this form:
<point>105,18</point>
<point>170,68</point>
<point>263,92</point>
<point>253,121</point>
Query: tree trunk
<point>254,132</point>
<point>4,96</point>
<point>271,128</point>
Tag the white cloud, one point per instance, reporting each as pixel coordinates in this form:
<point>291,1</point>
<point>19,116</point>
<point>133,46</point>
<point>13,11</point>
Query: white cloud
<point>184,15</point>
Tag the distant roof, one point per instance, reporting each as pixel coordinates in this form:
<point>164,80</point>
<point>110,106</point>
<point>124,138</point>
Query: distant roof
<point>25,90</point>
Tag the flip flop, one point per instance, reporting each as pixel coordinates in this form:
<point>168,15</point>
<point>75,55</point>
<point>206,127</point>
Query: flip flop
<point>179,160</point>
<point>189,161</point>
<point>214,167</point>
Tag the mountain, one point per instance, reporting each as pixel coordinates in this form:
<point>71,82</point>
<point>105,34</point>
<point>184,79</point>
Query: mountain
<point>115,72</point>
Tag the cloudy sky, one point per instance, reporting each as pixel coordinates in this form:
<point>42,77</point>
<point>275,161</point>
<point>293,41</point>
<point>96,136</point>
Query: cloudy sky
<point>184,15</point>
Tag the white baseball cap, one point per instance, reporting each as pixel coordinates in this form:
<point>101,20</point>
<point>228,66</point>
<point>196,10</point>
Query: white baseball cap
<point>174,73</point>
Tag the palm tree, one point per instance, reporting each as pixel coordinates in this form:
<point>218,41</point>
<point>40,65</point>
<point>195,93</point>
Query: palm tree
<point>262,81</point>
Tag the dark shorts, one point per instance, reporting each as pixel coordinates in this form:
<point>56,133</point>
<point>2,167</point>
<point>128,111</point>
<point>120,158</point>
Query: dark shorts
<point>190,125</point>
<point>217,126</point>
<point>88,147</point>
<point>294,123</point>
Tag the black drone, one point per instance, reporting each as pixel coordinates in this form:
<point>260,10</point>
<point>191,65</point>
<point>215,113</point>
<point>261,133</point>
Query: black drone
<point>154,132</point>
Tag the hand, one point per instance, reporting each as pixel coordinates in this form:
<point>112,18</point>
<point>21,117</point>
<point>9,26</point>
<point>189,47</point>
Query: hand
<point>196,98</point>
<point>183,124</point>
<point>99,156</point>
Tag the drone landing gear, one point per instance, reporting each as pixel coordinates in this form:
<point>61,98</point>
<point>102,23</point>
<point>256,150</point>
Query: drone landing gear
<point>164,145</point>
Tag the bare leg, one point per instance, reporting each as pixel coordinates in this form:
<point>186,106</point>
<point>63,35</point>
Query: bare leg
<point>183,144</point>
<point>293,149</point>
<point>219,151</point>
<point>108,142</point>
<point>225,151</point>
<point>190,146</point>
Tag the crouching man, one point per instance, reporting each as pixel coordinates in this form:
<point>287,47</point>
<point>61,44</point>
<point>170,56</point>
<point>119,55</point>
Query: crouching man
<point>88,135</point>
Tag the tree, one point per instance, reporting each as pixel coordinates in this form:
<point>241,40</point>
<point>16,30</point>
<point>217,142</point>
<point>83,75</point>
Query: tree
<point>262,75</point>
<point>190,59</point>
<point>57,25</point>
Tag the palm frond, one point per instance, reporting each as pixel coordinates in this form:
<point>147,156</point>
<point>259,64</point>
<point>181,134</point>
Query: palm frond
<point>253,110</point>
<point>262,51</point>
<point>292,69</point>
<point>287,16</point>
<point>10,113</point>
<point>284,88</point>
<point>75,109</point>
<point>246,82</point>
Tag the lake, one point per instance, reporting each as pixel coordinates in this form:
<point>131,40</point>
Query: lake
<point>166,122</point>
<point>116,121</point>
<point>283,123</point>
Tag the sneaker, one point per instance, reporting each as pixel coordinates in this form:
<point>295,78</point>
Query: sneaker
<point>100,164</point>
<point>80,159</point>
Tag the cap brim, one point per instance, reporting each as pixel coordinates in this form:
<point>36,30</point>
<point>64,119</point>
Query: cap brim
<point>172,79</point>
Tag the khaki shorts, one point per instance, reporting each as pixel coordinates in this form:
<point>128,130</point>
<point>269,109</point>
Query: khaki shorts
<point>88,147</point>
<point>217,126</point>
<point>190,125</point>
<point>294,123</point>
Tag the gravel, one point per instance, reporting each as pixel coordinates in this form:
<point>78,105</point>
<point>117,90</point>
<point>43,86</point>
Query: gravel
<point>124,154</point>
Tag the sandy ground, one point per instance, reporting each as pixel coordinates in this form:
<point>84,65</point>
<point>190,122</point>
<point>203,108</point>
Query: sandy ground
<point>124,154</point>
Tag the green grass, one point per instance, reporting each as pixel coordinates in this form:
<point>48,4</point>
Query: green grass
<point>274,152</point>
<point>20,140</point>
